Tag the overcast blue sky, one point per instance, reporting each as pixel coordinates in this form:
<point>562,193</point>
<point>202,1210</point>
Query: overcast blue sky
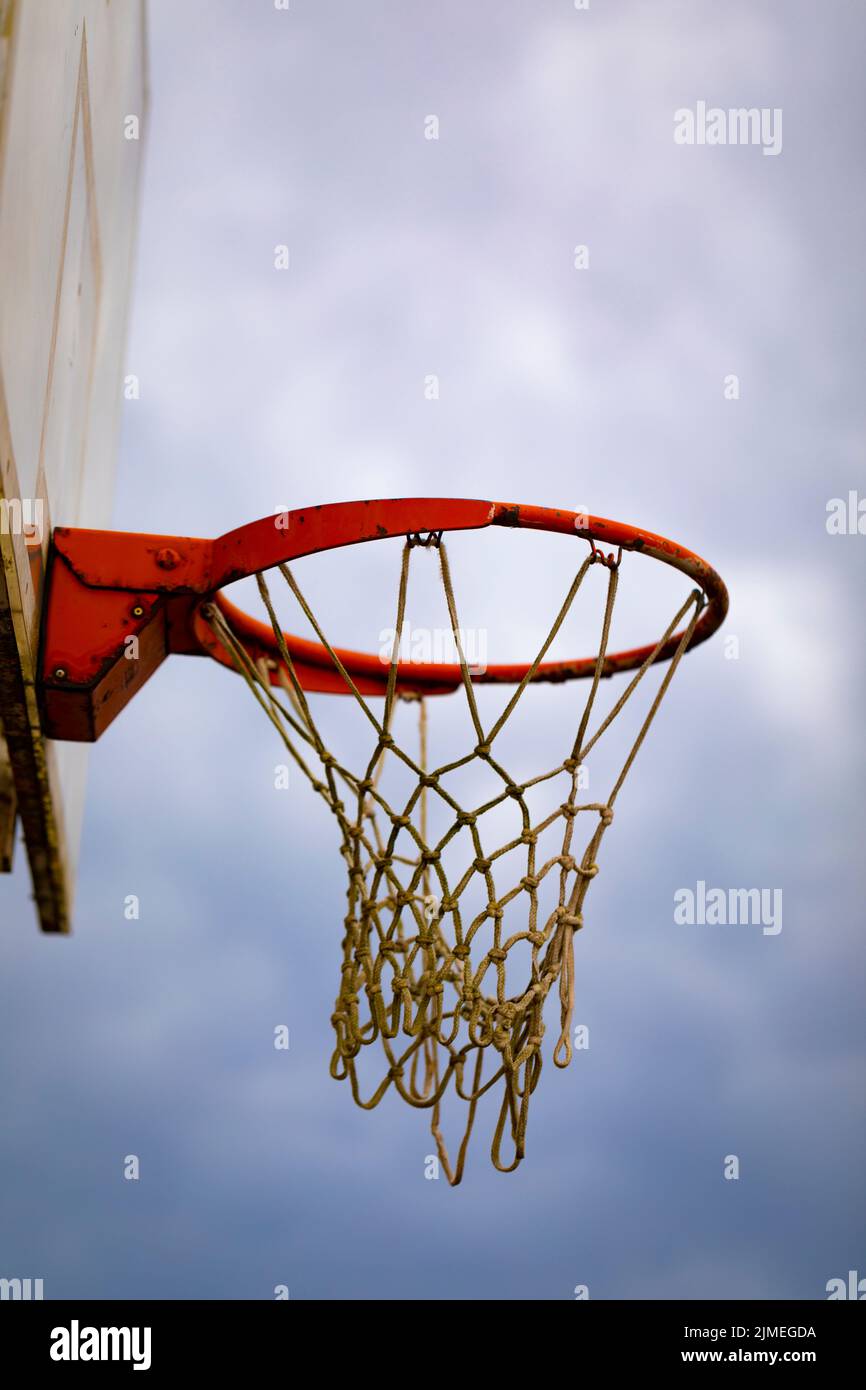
<point>601,388</point>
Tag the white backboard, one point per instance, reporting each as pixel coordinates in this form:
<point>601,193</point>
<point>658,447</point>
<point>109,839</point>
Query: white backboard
<point>72,108</point>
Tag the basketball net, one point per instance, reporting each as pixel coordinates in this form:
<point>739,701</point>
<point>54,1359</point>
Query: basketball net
<point>425,983</point>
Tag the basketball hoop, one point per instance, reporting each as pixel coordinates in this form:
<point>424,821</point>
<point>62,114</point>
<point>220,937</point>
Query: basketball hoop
<point>420,982</point>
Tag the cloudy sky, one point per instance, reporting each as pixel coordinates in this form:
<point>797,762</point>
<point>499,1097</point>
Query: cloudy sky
<point>605,387</point>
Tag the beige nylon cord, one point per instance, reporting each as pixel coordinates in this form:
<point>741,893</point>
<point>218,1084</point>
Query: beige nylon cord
<point>416,980</point>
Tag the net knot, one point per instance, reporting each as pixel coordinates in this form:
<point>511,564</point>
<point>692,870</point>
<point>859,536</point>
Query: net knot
<point>529,882</point>
<point>428,779</point>
<point>497,955</point>
<point>400,982</point>
<point>514,790</point>
<point>482,750</point>
<point>567,862</point>
<point>606,814</point>
<point>401,822</point>
<point>430,856</point>
<point>588,871</point>
<point>482,865</point>
<point>461,952</point>
<point>567,810</point>
<point>569,919</point>
<point>528,837</point>
<point>464,818</point>
<point>395,1073</point>
<point>571,764</point>
<point>536,937</point>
